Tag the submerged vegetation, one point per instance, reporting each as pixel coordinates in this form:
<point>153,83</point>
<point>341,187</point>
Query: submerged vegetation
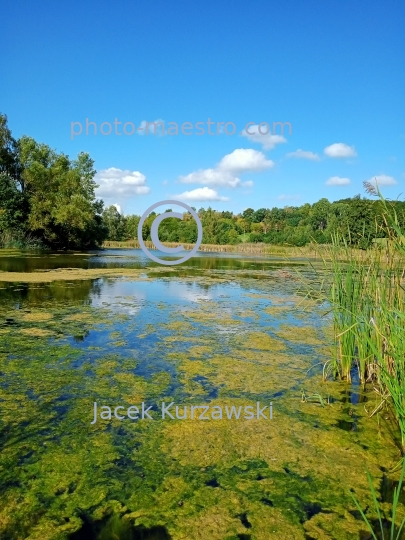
<point>144,337</point>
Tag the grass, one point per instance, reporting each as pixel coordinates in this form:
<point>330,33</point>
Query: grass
<point>386,530</point>
<point>19,240</point>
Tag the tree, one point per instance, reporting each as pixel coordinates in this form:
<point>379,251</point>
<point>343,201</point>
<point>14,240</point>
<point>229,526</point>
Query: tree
<point>319,214</point>
<point>62,205</point>
<point>258,216</point>
<point>131,227</point>
<point>266,221</point>
<point>257,227</point>
<point>8,150</point>
<point>114,223</point>
<point>248,214</point>
<point>13,205</point>
<point>276,218</point>
<point>360,227</point>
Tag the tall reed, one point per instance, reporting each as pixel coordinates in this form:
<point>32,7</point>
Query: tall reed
<point>259,248</point>
<point>367,299</point>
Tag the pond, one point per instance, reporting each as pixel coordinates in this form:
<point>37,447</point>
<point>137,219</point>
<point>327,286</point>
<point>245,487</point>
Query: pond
<point>17,261</point>
<point>224,333</point>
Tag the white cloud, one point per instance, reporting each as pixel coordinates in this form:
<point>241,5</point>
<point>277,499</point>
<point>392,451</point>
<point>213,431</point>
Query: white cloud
<point>200,194</point>
<point>245,160</point>
<point>383,180</point>
<point>267,140</point>
<point>304,154</point>
<point>118,207</point>
<point>115,182</point>
<point>211,177</point>
<point>337,181</point>
<point>284,197</point>
<point>225,174</point>
<point>340,150</point>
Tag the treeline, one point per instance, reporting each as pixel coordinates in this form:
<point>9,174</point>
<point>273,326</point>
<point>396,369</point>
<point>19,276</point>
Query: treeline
<point>48,200</point>
<point>359,221</point>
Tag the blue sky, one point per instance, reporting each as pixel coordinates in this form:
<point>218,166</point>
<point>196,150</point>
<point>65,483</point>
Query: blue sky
<point>333,70</point>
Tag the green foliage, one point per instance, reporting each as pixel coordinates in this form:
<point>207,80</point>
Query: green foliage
<point>114,223</point>
<point>8,149</point>
<point>46,196</point>
<point>356,221</point>
<point>131,227</point>
<point>13,204</point>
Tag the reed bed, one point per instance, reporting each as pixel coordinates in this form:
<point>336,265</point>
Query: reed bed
<point>367,299</point>
<point>315,251</point>
<point>251,248</point>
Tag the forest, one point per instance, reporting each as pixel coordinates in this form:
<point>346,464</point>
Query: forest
<point>358,222</point>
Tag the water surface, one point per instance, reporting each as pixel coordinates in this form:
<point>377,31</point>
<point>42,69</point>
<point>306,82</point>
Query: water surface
<point>215,331</point>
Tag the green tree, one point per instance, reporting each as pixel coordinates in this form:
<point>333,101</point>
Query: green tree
<point>248,214</point>
<point>114,223</point>
<point>361,226</point>
<point>13,205</point>
<point>63,208</point>
<point>258,216</point>
<point>8,150</point>
<point>131,227</point>
<point>319,214</point>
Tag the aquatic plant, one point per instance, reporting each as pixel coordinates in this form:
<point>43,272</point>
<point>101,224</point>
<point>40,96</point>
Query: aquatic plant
<point>386,530</point>
<point>63,476</point>
<point>314,398</point>
<point>20,240</point>
<point>366,296</point>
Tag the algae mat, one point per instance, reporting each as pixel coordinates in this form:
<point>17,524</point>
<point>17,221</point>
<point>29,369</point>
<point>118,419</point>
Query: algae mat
<point>221,343</point>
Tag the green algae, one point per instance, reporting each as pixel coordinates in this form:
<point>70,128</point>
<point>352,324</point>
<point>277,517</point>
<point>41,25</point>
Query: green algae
<point>197,479</point>
<point>277,311</point>
<point>37,316</point>
<point>259,340</point>
<point>300,334</point>
<point>36,332</point>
